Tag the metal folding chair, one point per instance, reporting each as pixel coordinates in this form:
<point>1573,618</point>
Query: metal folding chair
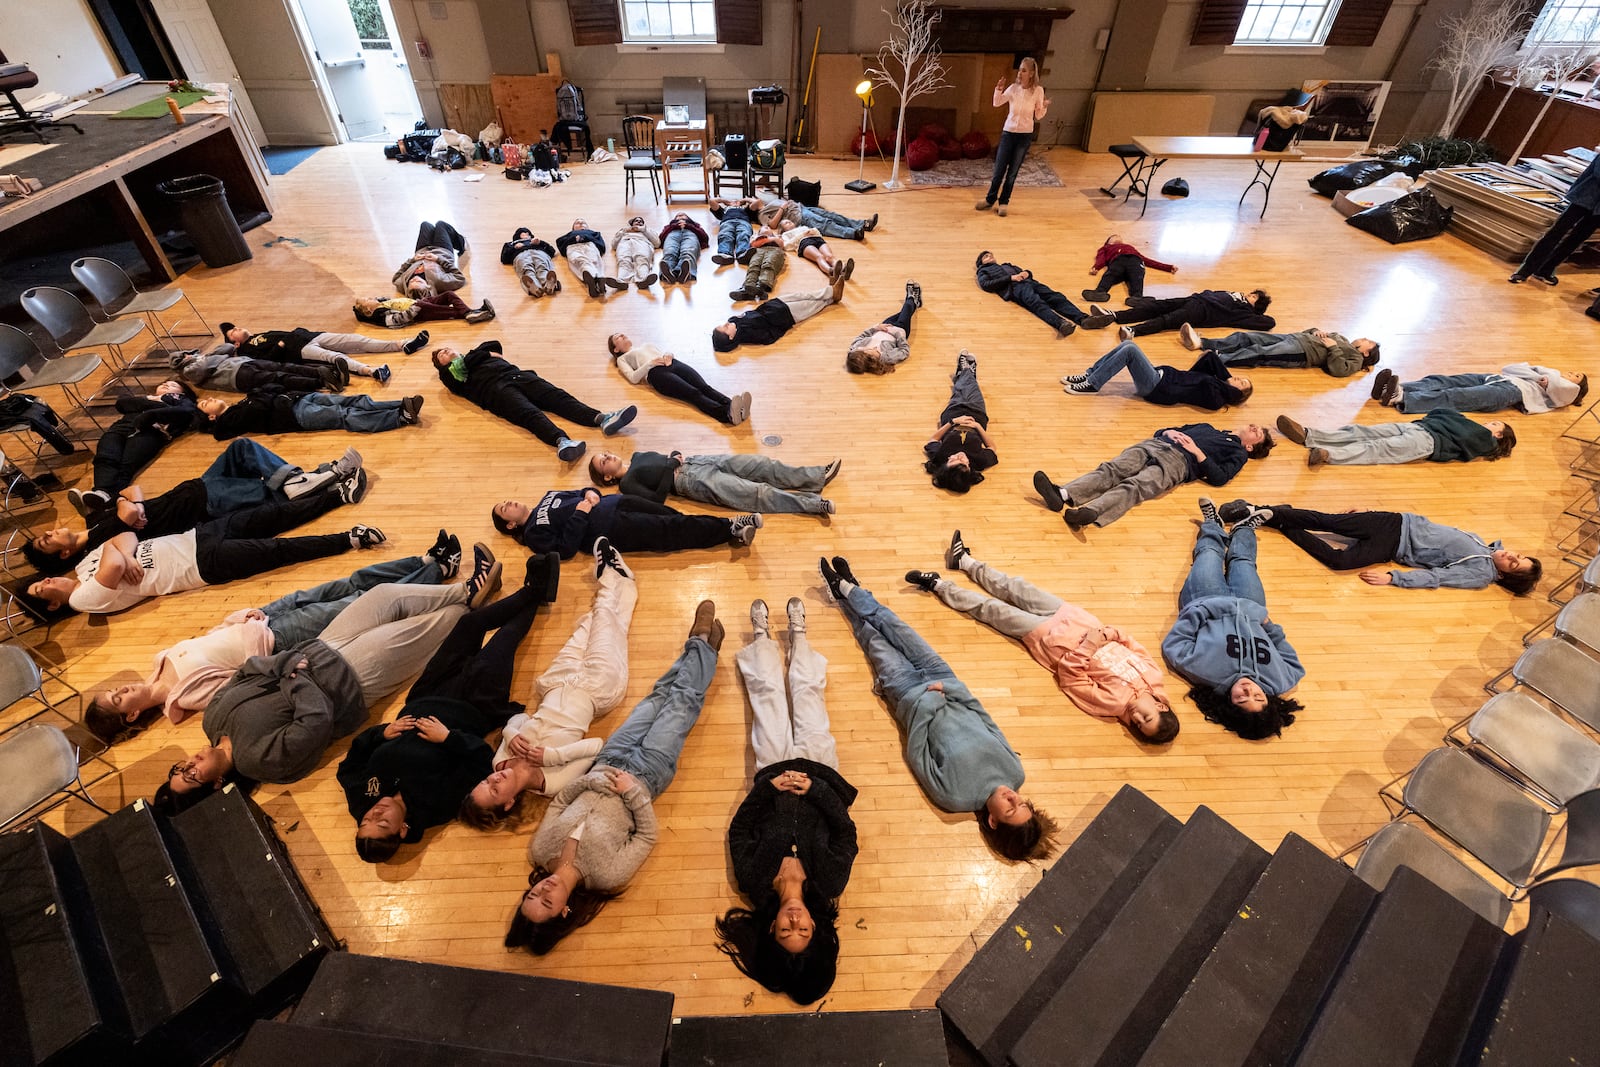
<point>23,678</point>
<point>1400,844</point>
<point>1560,672</point>
<point>39,769</point>
<point>1534,745</point>
<point>74,329</point>
<point>114,291</point>
<point>24,367</point>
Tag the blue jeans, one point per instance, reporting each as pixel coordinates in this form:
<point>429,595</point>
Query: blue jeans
<point>302,615</point>
<point>681,252</point>
<point>1223,566</point>
<point>649,741</point>
<point>1130,357</point>
<point>1008,164</point>
<point>358,414</point>
<point>902,662</point>
<point>238,478</point>
<point>832,224</point>
<point>752,483</point>
<point>1247,344</point>
<point>1459,392</point>
<point>733,237</point>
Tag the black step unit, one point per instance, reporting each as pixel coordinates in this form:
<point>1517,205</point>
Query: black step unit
<point>488,1010</point>
<point>275,1044</point>
<point>1110,1007</point>
<point>50,993</point>
<point>837,1038</point>
<point>1548,1013</point>
<point>1253,1000</point>
<point>1000,991</point>
<point>1410,993</point>
<point>258,917</point>
<point>152,940</point>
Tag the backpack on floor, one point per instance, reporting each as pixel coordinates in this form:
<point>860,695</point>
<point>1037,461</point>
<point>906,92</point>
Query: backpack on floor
<point>544,156</point>
<point>804,192</point>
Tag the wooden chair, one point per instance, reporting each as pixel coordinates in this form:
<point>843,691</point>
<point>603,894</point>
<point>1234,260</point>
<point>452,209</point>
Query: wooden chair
<point>639,155</point>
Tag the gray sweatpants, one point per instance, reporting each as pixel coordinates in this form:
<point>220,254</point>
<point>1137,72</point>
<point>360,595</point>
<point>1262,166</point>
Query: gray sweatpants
<point>1015,606</point>
<point>535,271</point>
<point>1142,472</point>
<point>391,631</point>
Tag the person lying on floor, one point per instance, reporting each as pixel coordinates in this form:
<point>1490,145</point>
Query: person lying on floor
<point>242,544</point>
<point>1441,436</point>
<point>246,475</point>
<point>403,777</point>
<point>765,323</point>
<point>271,412</point>
<point>521,397</point>
<point>671,377</point>
<point>569,521</point>
<point>533,260</point>
<point>277,715</point>
<point>187,675</point>
<point>1441,556</point>
<point>226,371</point>
<point>1530,389</point>
<point>1209,384</point>
<point>1209,307</point>
<point>741,482</point>
<point>1333,353</point>
<point>146,426</point>
<point>961,448</point>
<point>301,345</point>
<point>543,751</point>
<point>398,312</point>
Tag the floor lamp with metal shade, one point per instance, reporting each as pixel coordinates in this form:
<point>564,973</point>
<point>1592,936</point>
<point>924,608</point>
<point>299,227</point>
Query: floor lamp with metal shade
<point>861,185</point>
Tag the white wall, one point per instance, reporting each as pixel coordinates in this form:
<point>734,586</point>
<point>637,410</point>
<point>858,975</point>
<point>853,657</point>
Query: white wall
<point>60,41</point>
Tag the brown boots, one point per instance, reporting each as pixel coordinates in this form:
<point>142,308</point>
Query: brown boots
<point>707,626</point>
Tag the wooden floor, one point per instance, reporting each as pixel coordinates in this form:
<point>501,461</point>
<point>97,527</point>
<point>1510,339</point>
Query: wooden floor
<point>1388,669</point>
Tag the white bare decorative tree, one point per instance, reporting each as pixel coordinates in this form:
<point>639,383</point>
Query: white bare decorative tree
<point>1471,45</point>
<point>908,64</point>
<point>1560,63</point>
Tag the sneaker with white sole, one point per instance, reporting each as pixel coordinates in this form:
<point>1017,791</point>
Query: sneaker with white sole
<point>606,557</point>
<point>744,527</point>
<point>760,618</point>
<point>796,609</point>
<point>612,422</point>
<point>570,451</point>
<point>353,488</point>
<point>366,537</point>
<point>446,552</point>
<point>1189,336</point>
<point>485,580</point>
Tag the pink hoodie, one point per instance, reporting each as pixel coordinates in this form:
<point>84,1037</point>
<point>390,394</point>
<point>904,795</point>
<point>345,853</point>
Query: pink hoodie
<point>1100,668</point>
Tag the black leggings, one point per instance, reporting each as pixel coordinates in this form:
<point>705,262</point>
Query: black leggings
<point>902,318</point>
<point>682,382</point>
<point>440,235</point>
<point>1374,535</point>
<point>1125,268</point>
<point>465,668</point>
<point>635,524</point>
<point>244,543</point>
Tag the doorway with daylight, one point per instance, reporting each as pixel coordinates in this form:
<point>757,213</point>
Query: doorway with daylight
<point>363,68</point>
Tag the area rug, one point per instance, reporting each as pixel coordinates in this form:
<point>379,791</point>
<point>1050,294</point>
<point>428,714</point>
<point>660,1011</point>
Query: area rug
<point>952,173</point>
<point>157,108</point>
<point>283,160</point>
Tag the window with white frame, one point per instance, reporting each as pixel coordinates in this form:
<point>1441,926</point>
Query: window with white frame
<point>669,21</point>
<point>1567,22</point>
<point>1268,22</point>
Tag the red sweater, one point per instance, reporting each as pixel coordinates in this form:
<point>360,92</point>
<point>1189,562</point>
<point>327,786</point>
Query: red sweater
<point>1106,253</point>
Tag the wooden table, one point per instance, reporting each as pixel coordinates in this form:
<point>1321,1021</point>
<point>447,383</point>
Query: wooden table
<point>1157,150</point>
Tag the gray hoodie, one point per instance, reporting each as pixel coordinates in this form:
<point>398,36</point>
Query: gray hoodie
<point>1445,556</point>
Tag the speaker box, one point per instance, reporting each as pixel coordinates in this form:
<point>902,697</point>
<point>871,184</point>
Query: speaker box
<point>735,152</point>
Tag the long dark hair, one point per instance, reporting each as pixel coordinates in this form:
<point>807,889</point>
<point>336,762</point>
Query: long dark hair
<point>1033,840</point>
<point>1250,725</point>
<point>539,938</point>
<point>745,937</point>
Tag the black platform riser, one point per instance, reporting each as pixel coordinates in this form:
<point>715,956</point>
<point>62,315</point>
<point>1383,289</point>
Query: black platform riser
<point>1002,989</point>
<point>274,1044</point>
<point>1109,1010</point>
<point>1548,1012</point>
<point>912,1038</point>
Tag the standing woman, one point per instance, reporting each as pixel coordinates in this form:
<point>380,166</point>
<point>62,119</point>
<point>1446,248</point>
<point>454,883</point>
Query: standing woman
<point>792,840</point>
<point>1025,97</point>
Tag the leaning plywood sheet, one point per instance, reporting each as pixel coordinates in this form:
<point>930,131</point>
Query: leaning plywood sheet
<point>525,104</point>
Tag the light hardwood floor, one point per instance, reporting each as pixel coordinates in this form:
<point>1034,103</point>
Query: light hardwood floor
<point>1388,669</point>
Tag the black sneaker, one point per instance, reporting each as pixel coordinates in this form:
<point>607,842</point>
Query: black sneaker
<point>1097,322</point>
<point>1257,517</point>
<point>1066,328</point>
<point>606,557</point>
<point>1208,512</point>
<point>543,576</point>
<point>914,293</point>
<point>722,259</point>
<point>831,471</point>
<point>956,552</point>
<point>1098,296</point>
<point>841,567</point>
<point>413,346</point>
<point>366,536</point>
<point>741,294</point>
<point>924,580</point>
<point>446,552</point>
<point>410,409</point>
<point>831,578</point>
<point>614,283</point>
<point>353,488</point>
<point>485,580</point>
<point>1079,388</point>
<point>1076,517</point>
<point>1048,491</point>
<point>1235,510</point>
<point>744,527</point>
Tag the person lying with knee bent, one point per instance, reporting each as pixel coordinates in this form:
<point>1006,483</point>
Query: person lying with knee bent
<point>1209,384</point>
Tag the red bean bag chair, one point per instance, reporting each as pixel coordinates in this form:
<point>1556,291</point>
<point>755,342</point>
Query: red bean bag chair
<point>949,148</point>
<point>975,145</point>
<point>871,139</point>
<point>933,132</point>
<point>922,154</point>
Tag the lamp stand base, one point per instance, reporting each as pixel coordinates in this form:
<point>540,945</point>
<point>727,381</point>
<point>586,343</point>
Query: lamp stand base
<point>860,185</point>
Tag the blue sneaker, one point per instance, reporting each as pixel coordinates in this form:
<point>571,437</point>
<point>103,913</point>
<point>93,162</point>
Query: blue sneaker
<point>381,374</point>
<point>612,422</point>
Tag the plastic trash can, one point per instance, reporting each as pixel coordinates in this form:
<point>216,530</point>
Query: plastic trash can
<point>203,206</point>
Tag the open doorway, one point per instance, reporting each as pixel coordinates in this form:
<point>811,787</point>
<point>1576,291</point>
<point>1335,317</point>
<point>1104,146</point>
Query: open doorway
<point>357,48</point>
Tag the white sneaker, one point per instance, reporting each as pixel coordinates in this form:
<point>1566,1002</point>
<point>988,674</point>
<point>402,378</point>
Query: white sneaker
<point>759,617</point>
<point>797,615</point>
<point>1189,336</point>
